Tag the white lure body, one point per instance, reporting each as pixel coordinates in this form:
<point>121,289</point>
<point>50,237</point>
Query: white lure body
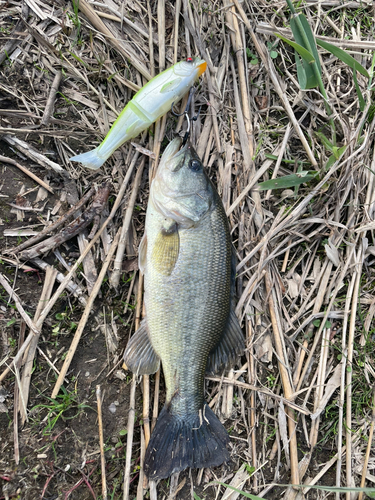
<point>148,105</point>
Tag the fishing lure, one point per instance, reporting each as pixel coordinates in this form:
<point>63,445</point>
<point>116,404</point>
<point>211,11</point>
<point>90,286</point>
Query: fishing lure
<point>148,105</point>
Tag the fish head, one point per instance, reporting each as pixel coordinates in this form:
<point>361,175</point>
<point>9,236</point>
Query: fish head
<point>191,65</point>
<point>181,189</point>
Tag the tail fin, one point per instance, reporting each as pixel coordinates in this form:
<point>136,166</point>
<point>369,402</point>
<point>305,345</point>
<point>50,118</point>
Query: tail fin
<point>177,443</point>
<point>91,159</point>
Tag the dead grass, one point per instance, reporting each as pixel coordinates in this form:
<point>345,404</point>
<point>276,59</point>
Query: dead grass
<point>300,405</point>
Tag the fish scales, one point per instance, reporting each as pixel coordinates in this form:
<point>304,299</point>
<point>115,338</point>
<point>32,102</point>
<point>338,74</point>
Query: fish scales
<point>190,325</point>
<point>187,311</point>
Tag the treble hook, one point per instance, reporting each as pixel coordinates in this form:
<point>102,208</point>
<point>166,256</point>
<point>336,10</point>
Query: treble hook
<point>186,113</point>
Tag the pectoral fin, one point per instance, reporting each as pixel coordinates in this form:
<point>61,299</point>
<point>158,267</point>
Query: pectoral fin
<point>230,346</point>
<point>166,249</point>
<point>140,356</point>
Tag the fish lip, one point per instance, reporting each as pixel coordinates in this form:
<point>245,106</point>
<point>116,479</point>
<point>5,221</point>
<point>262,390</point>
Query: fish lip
<point>202,67</point>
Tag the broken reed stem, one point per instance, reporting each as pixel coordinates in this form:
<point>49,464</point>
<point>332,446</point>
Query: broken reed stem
<point>27,172</point>
<point>48,111</point>
<point>101,442</point>
<point>117,265</point>
<point>84,317</point>
<point>12,294</point>
<point>288,391</point>
<point>55,225</point>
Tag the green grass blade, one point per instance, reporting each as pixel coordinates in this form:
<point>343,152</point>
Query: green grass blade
<point>287,181</point>
<point>305,74</point>
<point>362,103</point>
<point>325,141</point>
<point>344,57</point>
<point>304,53</point>
<point>299,23</point>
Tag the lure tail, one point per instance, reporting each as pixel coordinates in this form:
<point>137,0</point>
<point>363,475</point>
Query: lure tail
<point>177,443</point>
<point>91,159</point>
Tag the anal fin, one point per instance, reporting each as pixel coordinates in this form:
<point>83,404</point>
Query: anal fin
<point>230,346</point>
<point>139,356</point>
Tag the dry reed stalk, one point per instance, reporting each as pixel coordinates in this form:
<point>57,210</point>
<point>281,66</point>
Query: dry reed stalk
<point>322,369</point>
<point>17,389</point>
<point>155,410</point>
<point>117,265</point>
<point>348,300</point>
<point>27,172</point>
<point>48,110</point>
<point>280,157</point>
<point>286,378</point>
<point>176,22</point>
<point>349,373</point>
<point>131,415</point>
<point>12,295</point>
<point>28,359</point>
<point>141,480</point>
<point>252,380</point>
<point>129,442</point>
<point>101,442</point>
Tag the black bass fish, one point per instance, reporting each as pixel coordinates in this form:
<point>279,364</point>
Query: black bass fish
<point>190,325</point>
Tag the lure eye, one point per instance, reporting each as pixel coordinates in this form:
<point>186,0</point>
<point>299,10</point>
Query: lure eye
<point>195,165</point>
<point>189,59</point>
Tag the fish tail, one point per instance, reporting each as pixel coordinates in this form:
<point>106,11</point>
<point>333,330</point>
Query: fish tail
<point>177,443</point>
<point>91,159</point>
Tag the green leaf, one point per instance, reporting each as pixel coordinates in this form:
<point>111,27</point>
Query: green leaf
<point>362,103</point>
<point>305,54</point>
<point>316,323</point>
<point>273,54</point>
<point>288,181</point>
<point>326,142</point>
<point>11,322</point>
<point>337,153</point>
<point>304,36</point>
<point>343,56</point>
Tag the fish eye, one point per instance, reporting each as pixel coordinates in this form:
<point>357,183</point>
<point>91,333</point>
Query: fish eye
<point>195,165</point>
<point>189,59</point>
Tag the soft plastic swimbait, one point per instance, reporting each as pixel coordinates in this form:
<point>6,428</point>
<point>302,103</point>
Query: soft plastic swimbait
<point>147,106</point>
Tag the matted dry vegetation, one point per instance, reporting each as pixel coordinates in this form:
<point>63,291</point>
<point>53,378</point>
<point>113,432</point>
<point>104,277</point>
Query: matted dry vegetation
<point>299,406</point>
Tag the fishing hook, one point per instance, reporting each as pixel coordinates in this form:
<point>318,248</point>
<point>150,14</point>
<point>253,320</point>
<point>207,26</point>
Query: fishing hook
<point>186,113</point>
